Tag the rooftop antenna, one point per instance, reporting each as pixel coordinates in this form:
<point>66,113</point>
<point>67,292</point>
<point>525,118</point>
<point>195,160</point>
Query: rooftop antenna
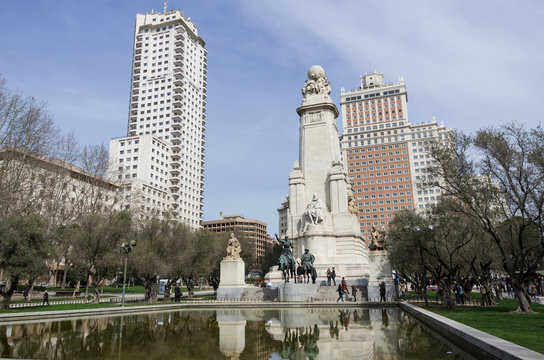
<point>165,1</point>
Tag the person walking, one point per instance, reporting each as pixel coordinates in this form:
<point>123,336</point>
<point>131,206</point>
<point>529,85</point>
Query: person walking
<point>25,292</point>
<point>333,276</point>
<point>45,298</point>
<point>461,295</point>
<point>403,290</point>
<point>382,291</point>
<point>314,275</point>
<point>340,293</point>
<point>532,287</point>
<point>329,276</point>
<point>354,292</point>
<point>344,285</point>
<point>483,294</point>
<point>177,293</point>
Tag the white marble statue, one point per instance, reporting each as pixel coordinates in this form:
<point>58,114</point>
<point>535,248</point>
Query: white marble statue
<point>233,248</point>
<point>317,82</point>
<point>314,211</point>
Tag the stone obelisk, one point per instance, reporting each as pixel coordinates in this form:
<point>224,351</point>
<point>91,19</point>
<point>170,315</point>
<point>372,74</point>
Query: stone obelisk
<point>320,217</point>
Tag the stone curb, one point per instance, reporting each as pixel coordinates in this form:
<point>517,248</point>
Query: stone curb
<point>477,340</point>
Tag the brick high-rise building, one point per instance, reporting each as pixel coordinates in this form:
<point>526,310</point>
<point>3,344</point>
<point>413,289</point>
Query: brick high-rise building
<point>384,153</point>
<point>167,115</point>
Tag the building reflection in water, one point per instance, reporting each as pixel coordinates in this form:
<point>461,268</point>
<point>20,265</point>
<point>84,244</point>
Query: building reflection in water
<point>301,333</point>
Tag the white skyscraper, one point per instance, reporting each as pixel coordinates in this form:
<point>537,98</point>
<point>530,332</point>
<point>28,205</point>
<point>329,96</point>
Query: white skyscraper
<point>162,158</point>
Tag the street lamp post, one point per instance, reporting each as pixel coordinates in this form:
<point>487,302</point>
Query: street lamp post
<point>126,247</point>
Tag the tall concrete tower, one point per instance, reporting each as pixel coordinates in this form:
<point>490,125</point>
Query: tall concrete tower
<point>161,160</point>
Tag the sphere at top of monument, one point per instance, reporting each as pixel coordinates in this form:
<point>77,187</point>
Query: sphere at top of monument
<point>316,72</point>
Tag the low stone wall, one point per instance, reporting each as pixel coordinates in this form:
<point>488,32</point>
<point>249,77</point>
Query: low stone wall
<point>478,342</point>
<point>249,293</point>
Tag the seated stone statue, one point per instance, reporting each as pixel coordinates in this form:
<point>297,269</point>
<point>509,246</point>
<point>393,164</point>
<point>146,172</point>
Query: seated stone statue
<point>233,248</point>
<point>314,210</point>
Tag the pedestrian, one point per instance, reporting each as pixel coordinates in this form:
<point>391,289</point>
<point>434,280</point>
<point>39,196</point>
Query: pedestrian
<point>532,292</point>
<point>340,293</point>
<point>344,285</point>
<point>333,276</point>
<point>354,292</point>
<point>382,291</point>
<point>314,275</point>
<point>461,294</point>
<point>455,289</point>
<point>329,276</point>
<point>45,298</point>
<point>483,294</point>
<point>299,272</point>
<point>25,292</point>
<point>403,290</point>
<point>177,293</point>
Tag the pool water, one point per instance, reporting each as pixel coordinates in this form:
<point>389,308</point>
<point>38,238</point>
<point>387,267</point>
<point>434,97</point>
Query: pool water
<point>295,333</point>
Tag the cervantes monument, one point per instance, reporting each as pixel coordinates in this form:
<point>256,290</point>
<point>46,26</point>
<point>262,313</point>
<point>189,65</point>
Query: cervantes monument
<point>320,216</point>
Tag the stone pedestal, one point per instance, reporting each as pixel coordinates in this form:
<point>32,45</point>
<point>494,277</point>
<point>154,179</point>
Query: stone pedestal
<point>274,277</point>
<point>380,270</point>
<point>232,279</point>
<point>232,337</point>
<point>297,292</point>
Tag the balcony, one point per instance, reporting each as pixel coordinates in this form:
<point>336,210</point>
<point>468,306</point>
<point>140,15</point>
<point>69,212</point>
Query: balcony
<point>136,77</point>
<point>178,57</point>
<point>177,103</point>
<point>176,111</point>
<point>138,57</point>
<point>178,82</point>
<point>138,51</point>
<point>179,42</point>
<point>176,132</point>
<point>174,171</point>
<point>179,36</point>
<point>178,95</point>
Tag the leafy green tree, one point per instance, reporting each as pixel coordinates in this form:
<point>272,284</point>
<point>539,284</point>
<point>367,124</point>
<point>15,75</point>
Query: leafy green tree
<point>498,177</point>
<point>96,246</point>
<point>23,250</point>
<point>270,258</point>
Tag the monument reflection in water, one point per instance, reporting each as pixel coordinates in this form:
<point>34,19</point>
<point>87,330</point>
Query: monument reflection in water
<point>229,334</point>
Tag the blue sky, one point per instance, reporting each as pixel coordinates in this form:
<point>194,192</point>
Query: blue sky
<point>472,64</point>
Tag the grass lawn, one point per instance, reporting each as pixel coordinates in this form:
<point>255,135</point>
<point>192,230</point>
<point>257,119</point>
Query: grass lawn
<point>97,306</point>
<point>523,329</point>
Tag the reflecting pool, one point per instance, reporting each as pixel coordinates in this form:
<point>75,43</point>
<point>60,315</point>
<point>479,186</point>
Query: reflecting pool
<point>296,333</point>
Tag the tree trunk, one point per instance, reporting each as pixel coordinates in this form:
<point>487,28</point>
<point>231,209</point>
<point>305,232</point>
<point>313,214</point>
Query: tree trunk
<point>96,294</point>
<point>64,274</point>
<point>31,291</point>
<point>167,288</point>
<point>150,291</point>
<point>447,300</point>
<point>7,294</point>
<point>524,303</point>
